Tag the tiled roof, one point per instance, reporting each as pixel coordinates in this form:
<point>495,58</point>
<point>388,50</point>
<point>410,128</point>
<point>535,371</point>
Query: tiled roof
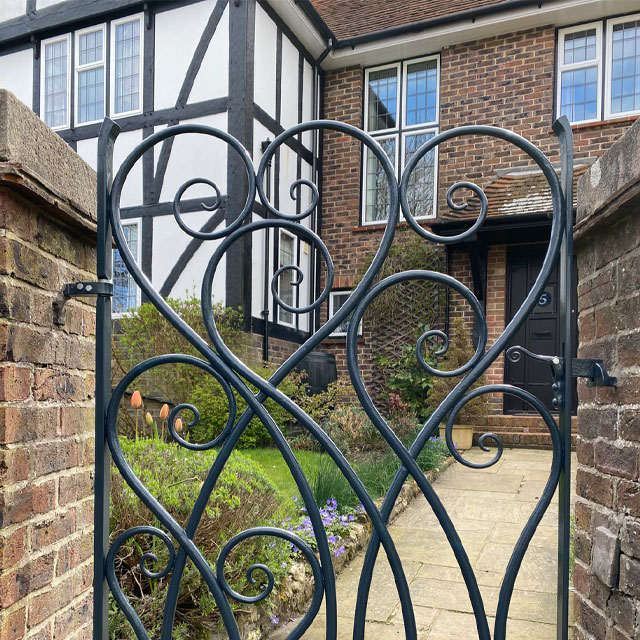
<point>350,18</point>
<point>515,194</point>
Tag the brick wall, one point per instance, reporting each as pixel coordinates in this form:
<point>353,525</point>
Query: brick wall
<point>47,238</point>
<point>607,543</point>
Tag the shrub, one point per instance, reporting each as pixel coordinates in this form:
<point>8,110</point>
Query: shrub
<point>242,498</point>
<point>459,353</point>
<point>350,429</point>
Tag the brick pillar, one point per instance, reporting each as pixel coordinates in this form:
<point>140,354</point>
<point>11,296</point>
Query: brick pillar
<point>47,238</point>
<point>607,541</point>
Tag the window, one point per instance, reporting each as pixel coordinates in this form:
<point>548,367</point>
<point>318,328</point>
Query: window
<point>287,254</point>
<point>56,69</point>
<point>126,294</point>
<point>580,73</point>
<point>126,65</point>
<point>336,300</point>
<point>583,68</point>
<point>401,113</point>
<point>90,86</point>
<point>623,70</point>
<point>87,61</point>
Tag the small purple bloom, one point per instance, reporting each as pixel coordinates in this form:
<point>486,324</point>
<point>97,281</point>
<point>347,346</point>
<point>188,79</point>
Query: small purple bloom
<point>332,539</point>
<point>284,565</point>
<point>352,518</point>
<point>339,551</point>
<point>275,620</point>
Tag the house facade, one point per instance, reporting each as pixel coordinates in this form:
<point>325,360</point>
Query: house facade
<point>402,71</point>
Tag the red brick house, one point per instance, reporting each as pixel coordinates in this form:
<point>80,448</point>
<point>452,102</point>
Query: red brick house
<point>405,71</point>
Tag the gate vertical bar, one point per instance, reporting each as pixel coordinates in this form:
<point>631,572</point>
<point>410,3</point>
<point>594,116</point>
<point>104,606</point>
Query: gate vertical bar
<point>108,134</point>
<point>565,385</point>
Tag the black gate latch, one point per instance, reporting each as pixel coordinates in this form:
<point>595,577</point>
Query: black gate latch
<point>101,287</point>
<point>594,370</point>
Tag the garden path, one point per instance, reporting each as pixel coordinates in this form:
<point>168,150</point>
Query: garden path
<point>489,508</point>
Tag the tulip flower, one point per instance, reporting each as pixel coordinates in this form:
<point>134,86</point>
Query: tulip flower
<point>136,399</point>
<point>178,424</point>
<point>164,413</point>
<point>148,419</point>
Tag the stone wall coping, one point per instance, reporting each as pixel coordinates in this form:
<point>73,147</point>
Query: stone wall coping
<point>34,159</point>
<point>612,184</point>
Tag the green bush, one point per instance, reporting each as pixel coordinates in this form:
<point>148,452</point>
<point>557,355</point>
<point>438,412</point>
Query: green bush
<point>242,498</point>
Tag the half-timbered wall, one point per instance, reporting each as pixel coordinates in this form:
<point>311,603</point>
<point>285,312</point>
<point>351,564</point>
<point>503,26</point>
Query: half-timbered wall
<point>231,65</point>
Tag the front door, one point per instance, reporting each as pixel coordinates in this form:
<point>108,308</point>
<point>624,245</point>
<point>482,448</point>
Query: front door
<point>539,333</point>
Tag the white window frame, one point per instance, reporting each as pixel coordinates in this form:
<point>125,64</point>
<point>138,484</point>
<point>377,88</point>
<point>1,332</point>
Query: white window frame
<point>367,72</point>
<point>87,67</point>
<point>112,73</point>
<point>597,62</point>
<point>396,137</point>
<point>429,123</point>
<point>413,132</point>
<point>43,83</point>
<point>127,223</point>
<point>280,310</point>
<point>401,130</point>
<point>332,294</point>
<point>609,68</point>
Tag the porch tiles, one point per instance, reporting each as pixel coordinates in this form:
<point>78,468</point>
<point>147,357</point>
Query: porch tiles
<point>489,509</point>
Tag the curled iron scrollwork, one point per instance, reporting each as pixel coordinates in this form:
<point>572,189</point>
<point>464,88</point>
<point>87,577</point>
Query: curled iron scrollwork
<point>235,377</point>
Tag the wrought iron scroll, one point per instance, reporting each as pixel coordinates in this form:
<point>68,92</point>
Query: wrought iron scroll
<point>234,375</point>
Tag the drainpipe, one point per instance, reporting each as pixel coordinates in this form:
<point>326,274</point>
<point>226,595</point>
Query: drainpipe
<point>265,289</point>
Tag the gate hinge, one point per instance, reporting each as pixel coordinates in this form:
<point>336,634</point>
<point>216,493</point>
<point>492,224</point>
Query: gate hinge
<point>594,370</point>
<point>101,287</point>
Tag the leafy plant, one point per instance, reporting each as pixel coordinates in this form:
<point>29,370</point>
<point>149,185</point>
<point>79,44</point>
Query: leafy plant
<point>241,499</point>
<point>460,351</point>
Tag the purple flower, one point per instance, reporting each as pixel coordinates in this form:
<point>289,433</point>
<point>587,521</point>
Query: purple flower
<point>339,551</point>
<point>287,519</point>
<point>332,539</point>
<point>284,565</point>
<point>295,498</point>
<point>352,518</point>
<point>275,620</point>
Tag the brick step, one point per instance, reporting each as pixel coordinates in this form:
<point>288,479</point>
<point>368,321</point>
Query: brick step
<point>519,421</point>
<point>517,440</point>
<point>514,428</point>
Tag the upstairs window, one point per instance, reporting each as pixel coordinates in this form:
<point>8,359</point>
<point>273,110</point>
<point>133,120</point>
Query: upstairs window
<point>401,113</point>
<point>286,292</point>
<point>593,85</point>
<point>126,65</point>
<point>90,85</point>
<point>56,69</point>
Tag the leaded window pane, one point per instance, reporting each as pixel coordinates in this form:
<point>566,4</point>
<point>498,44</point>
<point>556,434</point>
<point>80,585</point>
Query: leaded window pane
<point>125,292</point>
<point>90,47</point>
<point>55,83</point>
<point>285,286</point>
<point>383,99</point>
<point>625,67</point>
<point>377,190</point>
<point>91,95</point>
<point>420,188</point>
<point>127,67</point>
<point>580,46</point>
<point>422,90</point>
<point>579,94</point>
<point>337,300</point>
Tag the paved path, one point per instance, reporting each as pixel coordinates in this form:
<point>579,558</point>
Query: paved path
<point>489,508</point>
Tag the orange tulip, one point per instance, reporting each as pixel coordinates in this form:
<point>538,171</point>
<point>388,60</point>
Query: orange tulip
<point>164,412</point>
<point>178,424</point>
<point>136,399</point>
<point>148,419</point>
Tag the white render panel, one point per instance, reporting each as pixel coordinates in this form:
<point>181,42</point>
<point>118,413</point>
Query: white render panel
<point>177,35</point>
<point>264,78</point>
<point>132,189</point>
<point>41,4</point>
<point>288,175</point>
<point>88,151</point>
<point>12,9</point>
<point>16,75</point>
<point>257,269</point>
<point>290,60</point>
<point>212,80</point>
<point>196,155</point>
<point>191,278</point>
<point>308,112</point>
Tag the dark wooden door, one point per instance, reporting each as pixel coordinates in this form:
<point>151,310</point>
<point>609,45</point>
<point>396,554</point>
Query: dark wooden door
<point>539,333</point>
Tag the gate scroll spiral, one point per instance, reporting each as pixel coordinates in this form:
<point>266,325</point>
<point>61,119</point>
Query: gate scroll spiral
<point>234,375</point>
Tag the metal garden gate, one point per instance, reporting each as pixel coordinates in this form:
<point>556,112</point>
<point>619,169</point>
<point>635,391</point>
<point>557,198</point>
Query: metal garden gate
<point>231,373</point>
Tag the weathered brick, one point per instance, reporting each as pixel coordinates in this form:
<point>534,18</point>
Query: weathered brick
<point>76,420</point>
<point>26,502</point>
<point>45,533</point>
<point>621,610</point>
<point>55,456</point>
<point>68,622</point>
<point>629,425</point>
<point>628,499</point>
<point>630,576</point>
<point>20,261</point>
<point>591,619</point>
<point>12,625</point>
<point>630,538</point>
<point>27,423</point>
<point>26,344</point>
<point>595,487</point>
<point>15,585</point>
<point>74,553</point>
<point>601,422</point>
<point>44,605</point>
<point>14,465</point>
<point>12,547</point>
<point>15,383</point>
<point>614,459</point>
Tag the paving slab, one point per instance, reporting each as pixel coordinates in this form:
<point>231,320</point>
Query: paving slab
<point>489,509</point>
